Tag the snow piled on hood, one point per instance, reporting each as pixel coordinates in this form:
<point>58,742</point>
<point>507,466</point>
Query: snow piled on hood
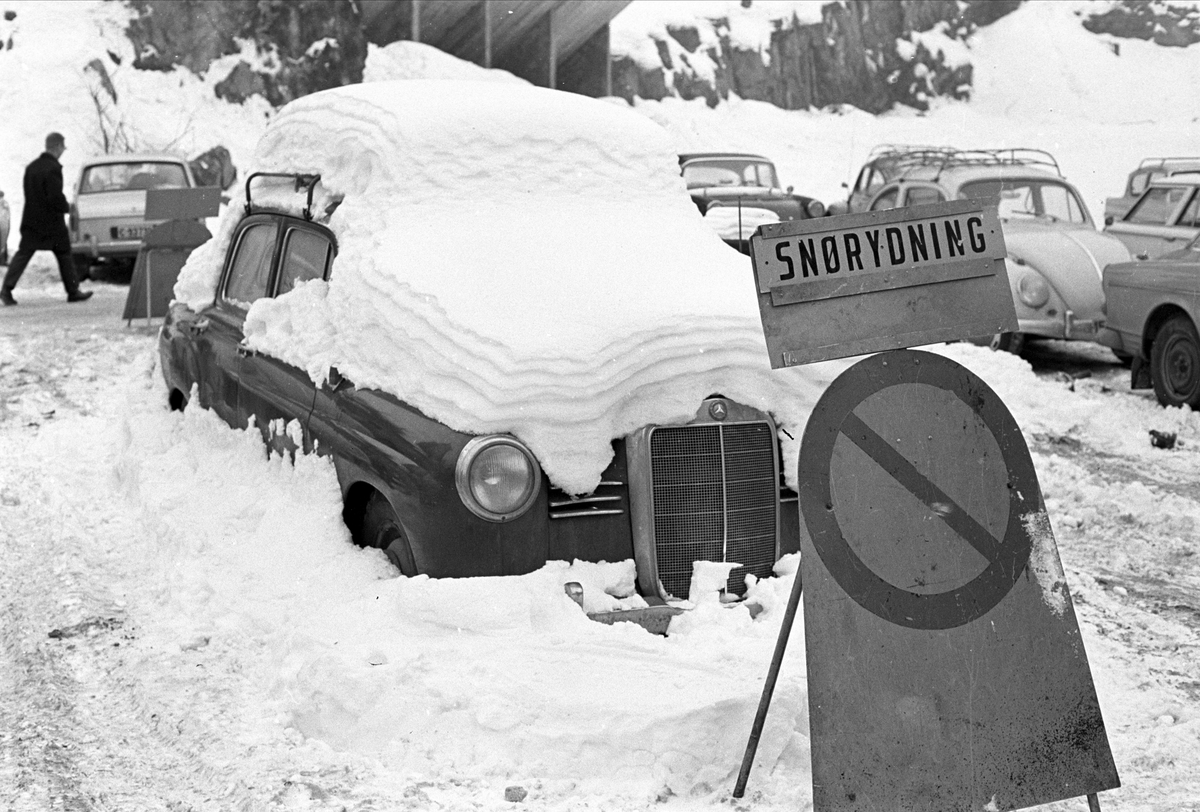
<point>512,259</point>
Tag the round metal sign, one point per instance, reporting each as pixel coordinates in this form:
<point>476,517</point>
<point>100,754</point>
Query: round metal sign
<point>918,490</point>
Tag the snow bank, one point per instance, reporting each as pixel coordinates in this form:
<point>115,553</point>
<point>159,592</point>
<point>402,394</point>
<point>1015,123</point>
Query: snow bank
<point>512,259</point>
<point>416,60</point>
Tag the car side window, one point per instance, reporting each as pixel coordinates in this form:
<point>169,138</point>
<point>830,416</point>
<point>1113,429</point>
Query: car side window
<point>305,256</point>
<point>1138,182</point>
<point>1154,207</point>
<point>1191,215</point>
<point>250,271</point>
<point>885,201</point>
<point>919,195</point>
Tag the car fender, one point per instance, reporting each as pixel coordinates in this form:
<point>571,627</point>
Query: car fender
<point>1071,261</point>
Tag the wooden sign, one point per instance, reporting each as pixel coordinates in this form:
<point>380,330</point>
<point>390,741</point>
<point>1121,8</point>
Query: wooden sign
<point>183,204</point>
<point>839,286</point>
<point>945,665</point>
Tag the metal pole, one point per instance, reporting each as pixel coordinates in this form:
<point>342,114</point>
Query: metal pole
<point>149,254</point>
<point>764,704</point>
<point>1093,802</point>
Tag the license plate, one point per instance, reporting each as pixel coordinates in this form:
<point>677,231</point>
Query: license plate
<point>131,232</point>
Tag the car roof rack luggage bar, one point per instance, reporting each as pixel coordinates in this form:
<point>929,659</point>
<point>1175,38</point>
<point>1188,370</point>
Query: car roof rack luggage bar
<point>902,157</point>
<point>306,181</point>
<point>1169,159</point>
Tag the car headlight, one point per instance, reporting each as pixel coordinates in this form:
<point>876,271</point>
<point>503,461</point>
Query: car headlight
<point>1032,289</point>
<point>497,477</point>
<point>815,208</point>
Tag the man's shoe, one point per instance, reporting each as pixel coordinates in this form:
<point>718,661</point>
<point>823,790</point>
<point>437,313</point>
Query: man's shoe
<point>79,296</point>
<point>7,298</point>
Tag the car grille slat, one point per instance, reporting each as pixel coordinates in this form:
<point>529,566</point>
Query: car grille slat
<point>715,490</point>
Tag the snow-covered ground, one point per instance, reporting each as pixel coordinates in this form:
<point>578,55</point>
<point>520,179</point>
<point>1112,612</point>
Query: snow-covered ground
<point>185,624</point>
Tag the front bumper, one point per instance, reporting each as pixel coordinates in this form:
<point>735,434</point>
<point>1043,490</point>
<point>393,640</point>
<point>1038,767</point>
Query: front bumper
<point>1067,326</point>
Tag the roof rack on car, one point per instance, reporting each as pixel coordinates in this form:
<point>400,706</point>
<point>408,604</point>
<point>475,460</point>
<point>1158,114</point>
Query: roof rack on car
<point>301,180</point>
<point>1162,162</point>
<point>902,157</point>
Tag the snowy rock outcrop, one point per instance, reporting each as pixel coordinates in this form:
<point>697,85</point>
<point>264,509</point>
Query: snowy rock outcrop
<point>872,55</point>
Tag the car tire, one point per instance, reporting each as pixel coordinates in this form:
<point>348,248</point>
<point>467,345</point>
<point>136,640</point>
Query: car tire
<point>381,529</point>
<point>1175,363</point>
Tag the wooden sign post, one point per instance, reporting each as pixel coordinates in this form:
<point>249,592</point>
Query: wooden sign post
<point>945,666</point>
<point>167,246</point>
<point>839,286</point>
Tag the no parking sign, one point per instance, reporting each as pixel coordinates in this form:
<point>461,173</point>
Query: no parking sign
<point>945,666</point>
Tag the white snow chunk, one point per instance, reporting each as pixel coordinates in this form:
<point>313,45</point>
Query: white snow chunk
<point>512,259</point>
<point>708,580</point>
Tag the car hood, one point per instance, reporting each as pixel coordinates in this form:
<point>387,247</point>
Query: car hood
<point>130,203</point>
<point>1072,258</point>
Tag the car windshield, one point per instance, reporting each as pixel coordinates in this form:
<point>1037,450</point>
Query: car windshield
<point>126,176</point>
<point>1025,198</point>
<point>730,172</point>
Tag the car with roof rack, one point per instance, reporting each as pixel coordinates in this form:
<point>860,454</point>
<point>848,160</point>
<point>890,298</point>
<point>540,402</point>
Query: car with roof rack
<point>503,404</point>
<point>739,191</point>
<point>1150,169</point>
<point>884,162</point>
<point>1165,217</point>
<point>1055,254</point>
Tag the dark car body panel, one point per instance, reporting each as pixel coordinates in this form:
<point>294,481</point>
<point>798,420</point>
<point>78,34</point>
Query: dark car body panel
<point>380,444</point>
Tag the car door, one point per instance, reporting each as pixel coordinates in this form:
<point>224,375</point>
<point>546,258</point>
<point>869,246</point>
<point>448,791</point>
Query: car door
<point>218,333</point>
<point>1149,229</point>
<point>276,394</point>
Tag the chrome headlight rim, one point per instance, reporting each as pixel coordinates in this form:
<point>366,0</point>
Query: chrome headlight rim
<point>471,453</point>
<point>1031,287</point>
<point>815,208</point>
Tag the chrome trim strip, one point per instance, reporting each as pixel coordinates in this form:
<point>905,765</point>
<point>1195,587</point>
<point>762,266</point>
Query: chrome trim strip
<point>578,514</point>
<point>584,500</point>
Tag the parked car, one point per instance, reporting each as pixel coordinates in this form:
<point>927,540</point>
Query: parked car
<point>1055,254</point>
<point>108,213</point>
<point>1165,216</point>
<point>1150,169</point>
<point>5,228</point>
<point>699,480</point>
<point>884,163</point>
<point>739,191</point>
<point>1153,313</point>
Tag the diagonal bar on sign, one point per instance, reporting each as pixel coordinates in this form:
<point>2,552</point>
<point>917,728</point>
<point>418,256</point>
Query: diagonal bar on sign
<point>904,472</point>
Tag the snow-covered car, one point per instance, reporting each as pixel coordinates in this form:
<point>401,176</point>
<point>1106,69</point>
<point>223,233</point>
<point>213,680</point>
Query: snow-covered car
<point>1165,217</point>
<point>1153,313</point>
<point>504,371</point>
<point>737,192</point>
<point>5,227</point>
<point>1150,169</point>
<point>108,212</point>
<point>1055,254</point>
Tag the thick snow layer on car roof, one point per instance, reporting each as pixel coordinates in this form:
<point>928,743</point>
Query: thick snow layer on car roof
<point>512,259</point>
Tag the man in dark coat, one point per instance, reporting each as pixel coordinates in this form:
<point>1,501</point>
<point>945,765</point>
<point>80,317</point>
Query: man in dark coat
<point>42,226</point>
